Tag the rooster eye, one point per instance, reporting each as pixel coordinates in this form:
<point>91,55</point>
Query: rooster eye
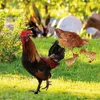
<point>26,35</point>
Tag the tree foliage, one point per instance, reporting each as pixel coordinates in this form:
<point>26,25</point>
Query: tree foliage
<point>9,43</point>
<point>57,8</point>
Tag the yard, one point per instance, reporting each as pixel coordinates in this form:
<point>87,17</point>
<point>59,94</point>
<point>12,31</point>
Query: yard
<point>81,82</point>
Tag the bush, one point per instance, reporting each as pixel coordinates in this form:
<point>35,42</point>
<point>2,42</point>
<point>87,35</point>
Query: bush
<point>10,46</point>
<point>2,19</point>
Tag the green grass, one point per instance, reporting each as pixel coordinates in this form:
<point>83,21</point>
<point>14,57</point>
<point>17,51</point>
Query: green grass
<point>81,82</point>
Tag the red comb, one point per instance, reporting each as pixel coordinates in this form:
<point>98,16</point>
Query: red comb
<point>25,32</point>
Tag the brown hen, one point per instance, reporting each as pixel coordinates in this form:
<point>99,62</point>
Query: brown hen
<point>70,39</point>
<point>91,55</point>
<point>72,60</point>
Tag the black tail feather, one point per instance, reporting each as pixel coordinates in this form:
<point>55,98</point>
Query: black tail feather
<point>56,51</point>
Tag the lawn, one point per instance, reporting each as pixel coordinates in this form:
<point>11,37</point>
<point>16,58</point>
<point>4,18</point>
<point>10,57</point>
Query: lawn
<point>81,82</point>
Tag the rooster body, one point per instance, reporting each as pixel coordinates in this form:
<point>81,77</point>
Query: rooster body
<point>37,65</point>
<point>35,23</point>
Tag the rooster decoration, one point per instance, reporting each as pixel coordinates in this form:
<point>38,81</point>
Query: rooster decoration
<point>35,22</point>
<point>37,65</point>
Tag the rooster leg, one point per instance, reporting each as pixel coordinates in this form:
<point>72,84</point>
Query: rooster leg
<point>47,85</point>
<point>38,88</point>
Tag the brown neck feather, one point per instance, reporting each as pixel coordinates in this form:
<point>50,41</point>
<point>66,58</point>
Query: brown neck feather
<point>30,49</point>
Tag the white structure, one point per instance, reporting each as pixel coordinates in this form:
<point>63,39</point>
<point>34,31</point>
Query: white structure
<point>91,30</point>
<point>70,23</point>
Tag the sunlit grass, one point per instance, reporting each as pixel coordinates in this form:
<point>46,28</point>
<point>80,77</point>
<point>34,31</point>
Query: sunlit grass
<point>12,84</point>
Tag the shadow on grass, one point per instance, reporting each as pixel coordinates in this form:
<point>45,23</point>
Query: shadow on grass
<point>15,94</point>
<point>16,87</point>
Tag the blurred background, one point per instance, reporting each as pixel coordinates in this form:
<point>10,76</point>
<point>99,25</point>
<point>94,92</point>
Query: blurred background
<point>15,13</point>
<point>56,8</point>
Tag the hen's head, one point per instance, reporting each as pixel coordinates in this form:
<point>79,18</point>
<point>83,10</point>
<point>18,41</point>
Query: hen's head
<point>82,51</point>
<point>59,32</point>
<point>85,41</point>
